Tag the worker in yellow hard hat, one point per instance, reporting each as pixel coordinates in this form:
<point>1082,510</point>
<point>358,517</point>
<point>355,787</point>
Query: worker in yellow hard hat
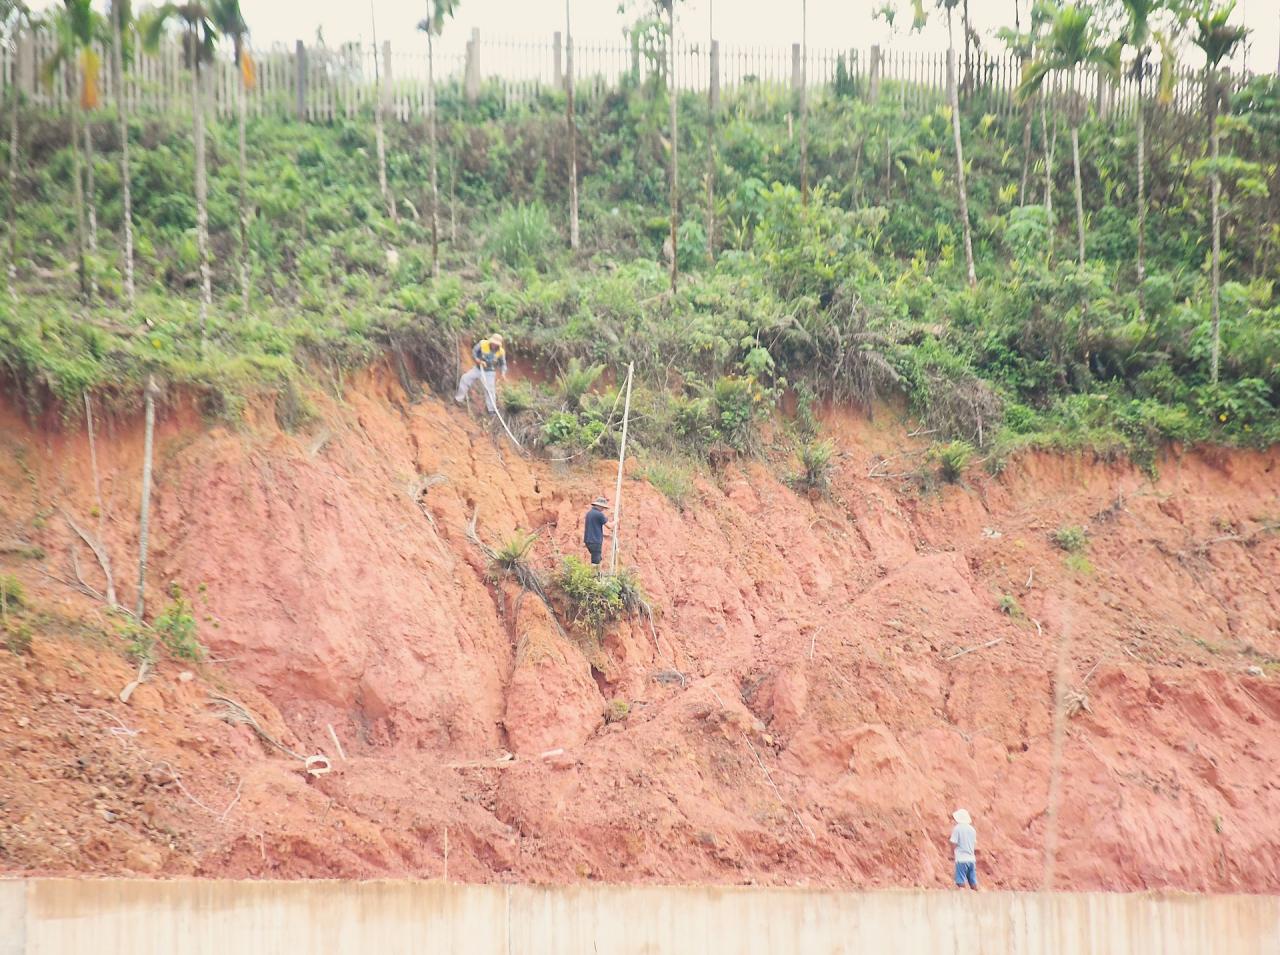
<point>490,358</point>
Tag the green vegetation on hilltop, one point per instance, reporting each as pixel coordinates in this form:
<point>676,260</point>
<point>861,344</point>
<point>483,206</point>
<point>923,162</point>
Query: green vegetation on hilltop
<point>857,293</point>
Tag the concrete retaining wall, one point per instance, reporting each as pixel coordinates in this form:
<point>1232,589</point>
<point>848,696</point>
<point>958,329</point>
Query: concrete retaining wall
<point>123,917</point>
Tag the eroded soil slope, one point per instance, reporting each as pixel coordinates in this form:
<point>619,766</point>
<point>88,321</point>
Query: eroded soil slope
<point>805,714</point>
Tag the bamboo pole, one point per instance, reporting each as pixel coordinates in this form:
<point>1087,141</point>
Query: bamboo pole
<point>622,456</point>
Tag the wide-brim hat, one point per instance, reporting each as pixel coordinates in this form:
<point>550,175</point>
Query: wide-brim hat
<point>962,816</point>
<point>496,339</point>
<point>600,502</point>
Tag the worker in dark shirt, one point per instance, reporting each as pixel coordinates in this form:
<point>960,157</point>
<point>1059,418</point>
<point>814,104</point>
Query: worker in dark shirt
<point>593,530</point>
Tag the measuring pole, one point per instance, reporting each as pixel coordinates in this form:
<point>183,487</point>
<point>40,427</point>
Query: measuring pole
<point>622,456</point>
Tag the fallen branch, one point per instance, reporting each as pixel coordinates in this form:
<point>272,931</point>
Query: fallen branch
<point>99,551</point>
<point>334,736</point>
<point>143,668</point>
<point>989,643</point>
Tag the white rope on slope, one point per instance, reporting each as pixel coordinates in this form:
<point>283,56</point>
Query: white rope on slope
<point>493,400</point>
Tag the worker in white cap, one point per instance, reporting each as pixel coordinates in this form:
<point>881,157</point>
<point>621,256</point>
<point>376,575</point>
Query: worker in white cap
<point>490,358</point>
<point>965,838</point>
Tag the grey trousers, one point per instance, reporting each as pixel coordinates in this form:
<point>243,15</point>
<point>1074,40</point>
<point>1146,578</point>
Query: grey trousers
<point>490,383</point>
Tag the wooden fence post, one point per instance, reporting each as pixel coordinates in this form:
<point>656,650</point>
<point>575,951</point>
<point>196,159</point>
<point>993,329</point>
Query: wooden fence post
<point>558,71</point>
<point>874,93</point>
<point>386,76</point>
<point>796,81</point>
<point>472,74</point>
<point>300,63</point>
<point>635,58</point>
<point>26,65</point>
<point>715,76</point>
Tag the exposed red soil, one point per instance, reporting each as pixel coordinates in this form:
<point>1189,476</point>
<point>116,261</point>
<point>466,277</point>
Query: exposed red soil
<point>825,729</point>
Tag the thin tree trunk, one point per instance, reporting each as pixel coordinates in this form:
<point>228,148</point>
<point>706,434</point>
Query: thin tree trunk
<point>97,493</point>
<point>1217,231</point>
<point>144,517</point>
<point>968,62</point>
<point>1141,123</point>
<point>77,173</point>
<point>804,102</point>
<point>1028,111</point>
<point>126,185</point>
<point>672,99</point>
<point>711,175</point>
<point>431,132</point>
<point>573,132</point>
<point>91,190</point>
<point>243,197</point>
<point>453,196</point>
<point>1075,160</point>
<point>960,181</point>
<point>1048,171</point>
<point>202,202</point>
<point>11,273</point>
<point>379,121</point>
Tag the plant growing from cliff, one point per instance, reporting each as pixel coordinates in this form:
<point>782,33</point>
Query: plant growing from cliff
<point>617,711</point>
<point>953,457</point>
<point>596,600</point>
<point>815,465</point>
<point>575,381</point>
<point>1071,538</point>
<point>176,627</point>
<point>673,481</point>
<point>1010,607</point>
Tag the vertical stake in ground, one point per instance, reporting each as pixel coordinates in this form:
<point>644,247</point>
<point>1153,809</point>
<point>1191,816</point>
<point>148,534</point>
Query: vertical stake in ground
<point>622,456</point>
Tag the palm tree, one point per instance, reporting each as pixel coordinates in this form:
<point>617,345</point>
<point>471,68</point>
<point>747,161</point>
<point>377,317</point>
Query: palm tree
<point>75,27</point>
<point>1138,34</point>
<point>121,27</point>
<point>230,23</point>
<point>1072,42</point>
<point>13,16</point>
<point>1217,39</point>
<point>1023,46</point>
<point>199,40</point>
<point>573,139</point>
<point>437,12</point>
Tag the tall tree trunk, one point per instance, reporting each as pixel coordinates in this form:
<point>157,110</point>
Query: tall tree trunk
<point>968,62</point>
<point>77,173</point>
<point>11,272</point>
<point>711,143</point>
<point>1028,110</point>
<point>573,132</point>
<point>1217,229</point>
<point>379,122</point>
<point>126,184</point>
<point>1141,129</point>
<point>144,516</point>
<point>804,102</point>
<point>672,99</point>
<point>202,202</point>
<point>431,133</point>
<point>91,189</point>
<point>244,195</point>
<point>960,180</point>
<point>1048,170</point>
<point>1075,161</point>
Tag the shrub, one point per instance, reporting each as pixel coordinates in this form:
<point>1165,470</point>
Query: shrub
<point>953,457</point>
<point>510,556</point>
<point>17,638</point>
<point>815,465</point>
<point>523,236</point>
<point>1010,607</point>
<point>517,398</point>
<point>176,627</point>
<point>12,594</point>
<point>736,403</point>
<point>594,599</point>
<point>575,381</point>
<point>674,481</point>
<point>1070,538</point>
<point>1080,564</point>
<point>617,711</point>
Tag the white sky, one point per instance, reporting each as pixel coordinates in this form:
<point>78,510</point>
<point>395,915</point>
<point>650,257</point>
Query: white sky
<point>832,23</point>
